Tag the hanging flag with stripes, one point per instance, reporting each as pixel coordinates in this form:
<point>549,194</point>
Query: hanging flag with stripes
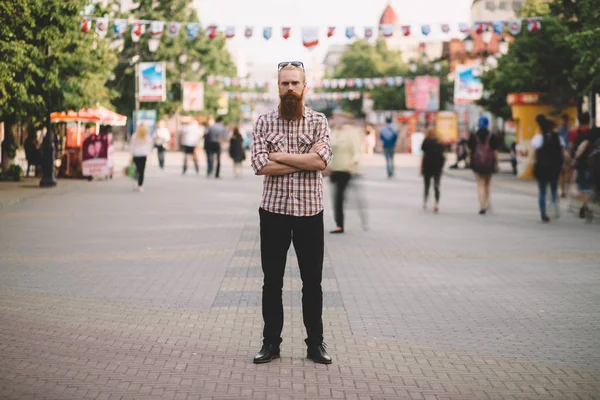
<point>285,32</point>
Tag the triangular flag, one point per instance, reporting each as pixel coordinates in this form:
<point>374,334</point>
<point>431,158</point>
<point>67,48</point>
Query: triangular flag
<point>387,29</point>
<point>358,82</point>
<point>515,26</point>
<point>156,29</point>
<point>119,27</point>
<point>330,31</point>
<point>285,32</point>
<point>85,24</point>
<point>445,28</point>
<point>534,25</point>
<point>310,37</point>
<point>101,27</point>
<point>248,32</point>
<point>137,30</point>
<point>406,30</point>
<point>426,29</point>
<point>350,32</point>
<point>173,29</point>
<point>267,32</point>
<point>464,28</point>
<point>211,32</point>
<point>368,33</point>
<point>499,27</point>
<point>193,30</point>
<point>480,27</point>
<point>399,80</point>
<point>230,32</point>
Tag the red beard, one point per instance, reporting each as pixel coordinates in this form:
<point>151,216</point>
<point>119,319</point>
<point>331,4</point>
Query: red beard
<point>291,106</point>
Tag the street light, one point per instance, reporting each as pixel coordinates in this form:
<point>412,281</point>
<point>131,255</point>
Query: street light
<point>469,43</point>
<point>437,66</point>
<point>153,45</point>
<point>183,58</point>
<point>503,46</point>
<point>196,65</point>
<point>413,67</point>
<point>487,37</point>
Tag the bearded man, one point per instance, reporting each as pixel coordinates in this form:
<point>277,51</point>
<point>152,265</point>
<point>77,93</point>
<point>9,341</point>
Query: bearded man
<point>290,148</point>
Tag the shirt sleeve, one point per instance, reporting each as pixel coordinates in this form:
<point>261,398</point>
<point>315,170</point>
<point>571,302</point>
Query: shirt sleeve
<point>537,141</point>
<point>260,151</point>
<point>322,135</point>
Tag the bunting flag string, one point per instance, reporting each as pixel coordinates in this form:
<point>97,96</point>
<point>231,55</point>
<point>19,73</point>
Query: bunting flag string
<point>309,96</point>
<point>338,83</point>
<point>310,35</point>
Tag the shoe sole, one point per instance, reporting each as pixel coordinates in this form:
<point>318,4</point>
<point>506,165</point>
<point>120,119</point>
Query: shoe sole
<point>319,362</point>
<point>266,361</point>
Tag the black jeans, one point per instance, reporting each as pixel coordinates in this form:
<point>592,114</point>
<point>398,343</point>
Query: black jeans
<point>140,167</point>
<point>277,231</point>
<point>213,149</point>
<point>436,185</point>
<point>340,179</point>
<point>160,149</point>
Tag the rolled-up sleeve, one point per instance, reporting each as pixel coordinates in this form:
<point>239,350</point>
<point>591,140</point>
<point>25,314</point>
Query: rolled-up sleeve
<point>260,153</point>
<point>322,135</point>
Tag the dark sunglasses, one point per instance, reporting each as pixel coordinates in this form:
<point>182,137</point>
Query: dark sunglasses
<point>292,63</point>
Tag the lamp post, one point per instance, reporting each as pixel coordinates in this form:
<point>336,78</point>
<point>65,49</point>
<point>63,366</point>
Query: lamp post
<point>48,171</point>
<point>469,43</point>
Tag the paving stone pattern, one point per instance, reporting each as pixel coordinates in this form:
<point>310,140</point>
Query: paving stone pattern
<point>110,294</point>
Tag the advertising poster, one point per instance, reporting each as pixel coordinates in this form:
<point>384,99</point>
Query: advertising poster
<point>95,156</point>
<point>428,93</point>
<point>193,96</point>
<point>467,84</point>
<point>410,94</point>
<point>447,126</point>
<point>152,81</point>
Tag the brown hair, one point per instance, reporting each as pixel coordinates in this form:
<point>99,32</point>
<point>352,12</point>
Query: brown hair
<point>431,133</point>
<point>290,67</point>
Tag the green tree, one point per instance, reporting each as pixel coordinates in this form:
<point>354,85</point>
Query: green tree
<point>211,55</point>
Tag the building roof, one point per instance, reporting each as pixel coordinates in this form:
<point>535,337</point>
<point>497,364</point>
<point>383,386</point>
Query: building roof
<point>389,16</point>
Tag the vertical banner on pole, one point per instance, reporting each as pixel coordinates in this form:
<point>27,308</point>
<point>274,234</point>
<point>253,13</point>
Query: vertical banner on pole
<point>193,96</point>
<point>152,81</point>
<point>428,93</point>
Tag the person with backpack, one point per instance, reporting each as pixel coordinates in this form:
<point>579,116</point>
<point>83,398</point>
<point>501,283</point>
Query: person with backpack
<point>583,145</point>
<point>389,137</point>
<point>549,158</point>
<point>483,150</point>
<point>431,166</point>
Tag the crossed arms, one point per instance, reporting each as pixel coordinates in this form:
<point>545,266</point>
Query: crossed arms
<point>276,164</point>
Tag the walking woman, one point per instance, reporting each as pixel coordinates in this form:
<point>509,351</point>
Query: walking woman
<point>483,150</point>
<point>549,158</point>
<point>141,146</point>
<point>236,151</point>
<point>431,166</point>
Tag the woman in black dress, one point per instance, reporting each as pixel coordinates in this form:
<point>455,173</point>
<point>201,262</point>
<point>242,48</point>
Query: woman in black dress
<point>236,151</point>
<point>431,166</point>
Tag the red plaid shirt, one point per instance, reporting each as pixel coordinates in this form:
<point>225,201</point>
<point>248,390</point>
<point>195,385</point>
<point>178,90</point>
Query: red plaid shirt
<point>301,193</point>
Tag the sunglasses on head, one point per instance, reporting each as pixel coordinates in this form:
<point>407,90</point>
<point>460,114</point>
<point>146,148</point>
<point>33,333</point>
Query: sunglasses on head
<point>284,64</point>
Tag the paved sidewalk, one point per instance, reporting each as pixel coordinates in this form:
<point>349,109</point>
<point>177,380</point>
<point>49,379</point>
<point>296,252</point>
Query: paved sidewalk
<point>110,294</point>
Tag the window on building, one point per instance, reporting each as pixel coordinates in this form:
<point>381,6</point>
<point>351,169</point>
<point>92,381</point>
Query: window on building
<point>503,5</point>
<point>517,5</point>
<point>490,5</point>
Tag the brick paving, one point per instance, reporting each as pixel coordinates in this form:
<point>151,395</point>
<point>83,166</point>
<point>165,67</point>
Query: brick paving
<point>110,294</point>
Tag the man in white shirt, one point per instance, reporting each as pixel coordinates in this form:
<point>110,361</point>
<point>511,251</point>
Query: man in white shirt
<point>190,136</point>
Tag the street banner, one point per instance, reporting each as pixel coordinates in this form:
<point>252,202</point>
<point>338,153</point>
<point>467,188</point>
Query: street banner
<point>447,127</point>
<point>410,94</point>
<point>152,81</point>
<point>193,96</point>
<point>95,156</point>
<point>467,84</point>
<point>145,117</point>
<point>428,93</point>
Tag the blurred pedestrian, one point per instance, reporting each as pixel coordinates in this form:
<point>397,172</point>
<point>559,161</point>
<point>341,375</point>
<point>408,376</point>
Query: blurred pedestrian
<point>33,155</point>
<point>162,137</point>
<point>583,145</point>
<point>565,174</point>
<point>191,132</point>
<point>370,140</point>
<point>213,137</point>
<point>513,157</point>
<point>432,165</point>
<point>389,137</point>
<point>462,153</point>
<point>140,146</point>
<point>549,157</point>
<point>346,145</point>
<point>236,151</point>
<point>483,151</point>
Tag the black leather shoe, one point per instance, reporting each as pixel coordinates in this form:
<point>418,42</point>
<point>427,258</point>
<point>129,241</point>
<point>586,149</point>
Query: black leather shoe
<point>318,354</point>
<point>267,353</point>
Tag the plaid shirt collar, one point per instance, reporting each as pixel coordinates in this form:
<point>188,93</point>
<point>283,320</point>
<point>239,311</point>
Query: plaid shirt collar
<point>304,112</point>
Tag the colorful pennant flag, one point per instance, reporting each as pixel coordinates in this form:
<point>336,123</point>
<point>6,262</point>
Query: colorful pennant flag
<point>350,32</point>
<point>211,32</point>
<point>368,33</point>
<point>480,27</point>
<point>499,27</point>
<point>119,27</point>
<point>137,30</point>
<point>230,32</point>
<point>515,26</point>
<point>193,31</point>
<point>406,30</point>
<point>464,28</point>
<point>85,24</point>
<point>173,29</point>
<point>267,32</point>
<point>285,32</point>
<point>387,30</point>
<point>156,29</point>
<point>310,37</point>
<point>248,32</point>
<point>445,28</point>
<point>534,25</point>
<point>330,31</point>
<point>101,27</point>
<point>426,29</point>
